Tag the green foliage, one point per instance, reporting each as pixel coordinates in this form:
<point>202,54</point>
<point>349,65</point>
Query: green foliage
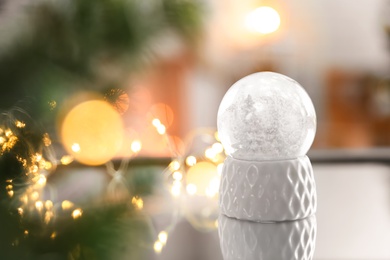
<point>55,47</point>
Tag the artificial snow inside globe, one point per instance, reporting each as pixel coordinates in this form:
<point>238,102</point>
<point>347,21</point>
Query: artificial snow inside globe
<point>266,115</point>
<point>267,123</point>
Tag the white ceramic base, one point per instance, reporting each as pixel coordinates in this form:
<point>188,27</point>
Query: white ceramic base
<point>268,191</point>
<point>246,240</point>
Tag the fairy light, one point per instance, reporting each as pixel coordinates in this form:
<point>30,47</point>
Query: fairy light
<point>174,165</point>
<point>20,124</point>
<point>176,188</point>
<point>48,205</point>
<point>34,195</point>
<point>48,165</point>
<point>25,232</point>
<point>34,169</point>
<point>217,147</point>
<point>66,204</point>
<point>42,164</point>
<point>210,153</point>
<point>137,202</point>
<point>163,237</point>
<point>41,181</point>
<point>158,246</point>
<point>8,133</point>
<point>136,146</point>
<point>46,139</point>
<point>191,160</point>
<point>10,193</point>
<point>22,160</point>
<point>161,129</point>
<point>37,157</point>
<point>48,216</point>
<point>66,159</point>
<point>20,211</point>
<point>52,104</point>
<point>191,189</point>
<point>178,176</point>
<point>156,122</point>
<point>263,20</point>
<point>53,235</point>
<point>2,140</point>
<point>76,147</point>
<point>39,205</point>
<point>77,213</point>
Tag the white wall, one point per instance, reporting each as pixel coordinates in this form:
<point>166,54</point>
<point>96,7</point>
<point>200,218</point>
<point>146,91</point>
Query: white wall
<point>315,36</point>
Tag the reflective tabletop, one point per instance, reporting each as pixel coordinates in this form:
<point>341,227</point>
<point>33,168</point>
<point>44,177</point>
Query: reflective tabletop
<point>352,222</point>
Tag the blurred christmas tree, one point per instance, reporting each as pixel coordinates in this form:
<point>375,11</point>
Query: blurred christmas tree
<point>48,50</point>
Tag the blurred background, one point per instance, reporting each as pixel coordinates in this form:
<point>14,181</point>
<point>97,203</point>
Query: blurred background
<point>163,68</point>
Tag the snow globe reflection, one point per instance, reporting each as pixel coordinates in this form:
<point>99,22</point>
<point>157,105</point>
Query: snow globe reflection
<point>267,241</point>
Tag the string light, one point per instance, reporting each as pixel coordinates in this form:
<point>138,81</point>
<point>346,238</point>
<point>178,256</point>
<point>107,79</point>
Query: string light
<point>41,181</point>
<point>19,124</point>
<point>178,176</point>
<point>217,147</point>
<point>163,237</point>
<point>76,147</point>
<point>52,104</point>
<point>161,129</point>
<point>66,159</point>
<point>48,216</point>
<point>34,195</point>
<point>174,165</point>
<point>46,139</point>
<point>136,146</point>
<point>39,205</point>
<point>191,160</point>
<point>158,246</point>
<point>176,188</point>
<point>137,202</point>
<point>66,204</point>
<point>210,153</point>
<point>77,213</point>
<point>48,205</point>
<point>156,122</point>
<point>263,20</point>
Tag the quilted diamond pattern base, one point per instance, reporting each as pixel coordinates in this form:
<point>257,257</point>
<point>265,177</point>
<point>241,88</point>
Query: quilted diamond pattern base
<point>291,240</point>
<point>268,191</point>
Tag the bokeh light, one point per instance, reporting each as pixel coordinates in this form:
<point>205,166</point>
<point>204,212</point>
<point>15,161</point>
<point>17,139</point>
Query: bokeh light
<point>92,132</point>
<point>263,20</point>
<point>201,175</point>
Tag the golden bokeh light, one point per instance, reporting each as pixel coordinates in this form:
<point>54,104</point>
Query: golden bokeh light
<point>77,213</point>
<point>66,204</point>
<point>158,246</point>
<point>136,146</point>
<point>263,20</point>
<point>66,159</point>
<point>92,132</point>
<point>163,113</point>
<point>202,176</point>
<point>163,237</point>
